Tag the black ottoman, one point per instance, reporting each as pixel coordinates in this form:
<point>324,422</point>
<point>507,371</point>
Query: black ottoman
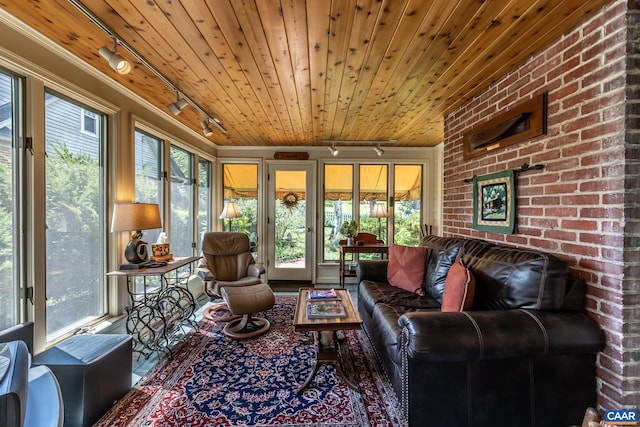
<point>93,371</point>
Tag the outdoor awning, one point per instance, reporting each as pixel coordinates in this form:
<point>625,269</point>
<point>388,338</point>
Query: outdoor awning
<point>241,181</point>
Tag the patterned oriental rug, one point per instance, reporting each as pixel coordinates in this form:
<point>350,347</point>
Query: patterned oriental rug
<point>213,380</point>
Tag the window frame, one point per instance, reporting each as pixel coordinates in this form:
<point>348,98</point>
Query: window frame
<point>16,153</point>
<point>390,202</point>
<point>103,165</point>
<point>167,142</point>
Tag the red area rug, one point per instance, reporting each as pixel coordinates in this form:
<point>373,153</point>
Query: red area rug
<point>213,380</point>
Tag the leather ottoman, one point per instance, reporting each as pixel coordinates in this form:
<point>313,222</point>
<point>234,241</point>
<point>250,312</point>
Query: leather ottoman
<point>93,371</point>
<point>243,301</point>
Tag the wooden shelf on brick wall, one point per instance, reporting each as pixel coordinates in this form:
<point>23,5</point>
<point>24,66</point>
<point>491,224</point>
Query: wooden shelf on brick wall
<point>523,122</point>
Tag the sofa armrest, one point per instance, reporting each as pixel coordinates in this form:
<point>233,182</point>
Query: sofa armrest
<point>372,270</point>
<point>498,334</point>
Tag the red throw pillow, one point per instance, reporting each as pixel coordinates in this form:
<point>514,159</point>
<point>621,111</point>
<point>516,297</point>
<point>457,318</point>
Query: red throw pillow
<point>407,266</point>
<point>459,288</point>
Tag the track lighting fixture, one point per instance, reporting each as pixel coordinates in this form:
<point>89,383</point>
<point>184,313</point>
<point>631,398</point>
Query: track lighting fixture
<point>368,142</point>
<point>217,124</point>
<point>206,129</point>
<point>176,107</point>
<point>123,66</point>
<point>116,61</point>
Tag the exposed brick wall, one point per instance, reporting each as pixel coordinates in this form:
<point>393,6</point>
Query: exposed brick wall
<point>577,205</point>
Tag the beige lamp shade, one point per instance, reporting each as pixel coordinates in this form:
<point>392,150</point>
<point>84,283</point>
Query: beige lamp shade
<point>230,211</point>
<point>135,216</point>
<point>379,211</point>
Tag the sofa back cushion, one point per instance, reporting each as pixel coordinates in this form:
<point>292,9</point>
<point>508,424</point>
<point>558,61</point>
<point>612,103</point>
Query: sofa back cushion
<point>443,252</point>
<point>406,269</point>
<point>509,278</point>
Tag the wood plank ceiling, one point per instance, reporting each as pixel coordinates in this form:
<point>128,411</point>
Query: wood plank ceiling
<point>296,72</point>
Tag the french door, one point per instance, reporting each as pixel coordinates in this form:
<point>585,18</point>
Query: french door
<point>290,221</point>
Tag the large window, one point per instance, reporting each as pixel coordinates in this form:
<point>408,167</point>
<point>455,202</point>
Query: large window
<point>189,210</point>
<point>204,197</point>
<point>148,165</point>
<point>240,185</point>
<point>75,206</point>
<point>389,203</point>
<point>373,191</point>
<point>10,101</point>
<point>338,206</point>
<point>407,212</point>
<point>182,202</point>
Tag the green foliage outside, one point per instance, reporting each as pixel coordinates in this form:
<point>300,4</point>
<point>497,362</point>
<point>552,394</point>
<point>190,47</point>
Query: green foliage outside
<point>75,236</point>
<point>7,309</point>
<point>291,232</point>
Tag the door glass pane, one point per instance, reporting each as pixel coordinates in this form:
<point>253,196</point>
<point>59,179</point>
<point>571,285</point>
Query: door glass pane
<point>338,206</point>
<point>373,192</point>
<point>182,211</point>
<point>75,237</point>
<point>9,201</point>
<point>240,184</point>
<point>407,210</point>
<point>290,219</point>
<point>148,164</point>
<point>204,197</point>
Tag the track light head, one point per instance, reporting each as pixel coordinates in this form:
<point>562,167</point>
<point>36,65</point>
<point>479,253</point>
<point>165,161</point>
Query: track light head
<point>177,107</point>
<point>206,129</point>
<point>334,151</point>
<point>116,61</point>
<point>379,151</point>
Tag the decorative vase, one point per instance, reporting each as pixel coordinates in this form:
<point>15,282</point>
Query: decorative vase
<point>350,241</point>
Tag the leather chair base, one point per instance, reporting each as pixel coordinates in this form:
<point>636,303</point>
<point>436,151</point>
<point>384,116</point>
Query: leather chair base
<point>208,313</point>
<point>246,327</point>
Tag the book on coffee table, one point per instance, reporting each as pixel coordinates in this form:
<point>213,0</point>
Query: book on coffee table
<point>323,294</point>
<point>325,309</point>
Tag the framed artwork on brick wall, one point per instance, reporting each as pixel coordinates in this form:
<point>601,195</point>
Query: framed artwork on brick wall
<point>494,202</point>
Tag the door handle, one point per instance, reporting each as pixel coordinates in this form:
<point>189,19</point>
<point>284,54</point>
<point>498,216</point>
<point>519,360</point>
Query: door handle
<point>309,229</point>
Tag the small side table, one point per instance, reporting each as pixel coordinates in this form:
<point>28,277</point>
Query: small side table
<point>367,248</point>
<point>158,310</point>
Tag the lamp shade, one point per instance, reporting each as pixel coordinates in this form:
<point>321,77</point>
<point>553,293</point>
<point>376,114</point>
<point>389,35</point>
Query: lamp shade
<point>230,211</point>
<point>135,216</point>
<point>379,211</point>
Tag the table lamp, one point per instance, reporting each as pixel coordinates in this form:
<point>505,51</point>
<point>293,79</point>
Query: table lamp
<point>135,217</point>
<point>229,212</point>
<point>379,211</point>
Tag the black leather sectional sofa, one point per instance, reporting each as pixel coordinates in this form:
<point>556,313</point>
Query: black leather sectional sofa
<point>523,356</point>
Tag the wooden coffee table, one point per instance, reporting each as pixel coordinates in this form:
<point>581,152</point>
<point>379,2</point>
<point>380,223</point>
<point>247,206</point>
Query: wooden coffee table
<point>324,333</point>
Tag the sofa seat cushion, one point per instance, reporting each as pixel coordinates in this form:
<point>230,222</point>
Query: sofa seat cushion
<point>372,293</point>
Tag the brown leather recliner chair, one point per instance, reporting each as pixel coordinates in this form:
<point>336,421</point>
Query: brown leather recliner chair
<point>227,262</point>
<point>229,266</point>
